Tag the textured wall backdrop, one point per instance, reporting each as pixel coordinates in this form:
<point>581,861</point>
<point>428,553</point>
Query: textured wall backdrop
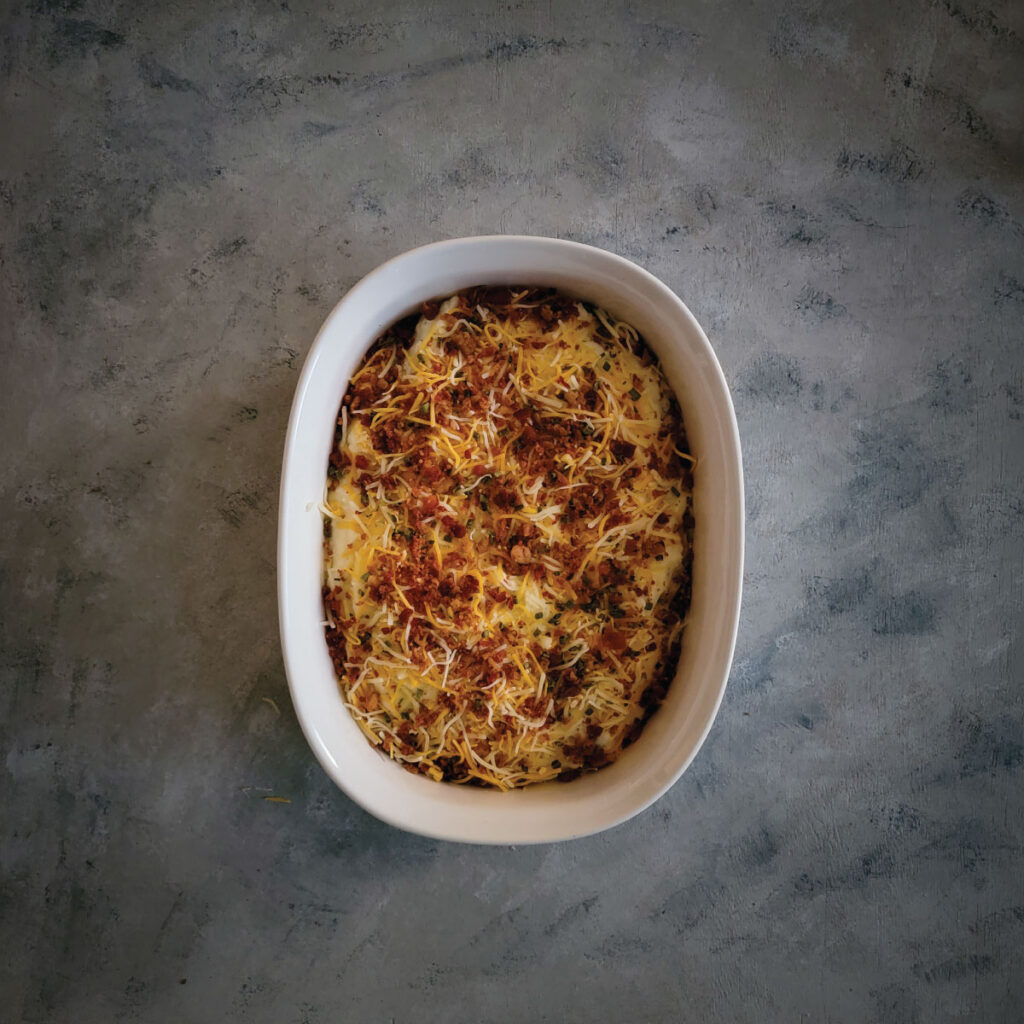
<point>186,189</point>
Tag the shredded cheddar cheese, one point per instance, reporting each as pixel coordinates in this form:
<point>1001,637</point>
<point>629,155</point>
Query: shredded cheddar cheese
<point>508,539</point>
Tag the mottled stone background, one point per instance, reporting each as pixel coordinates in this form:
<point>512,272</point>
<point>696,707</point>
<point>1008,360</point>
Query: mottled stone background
<point>187,188</point>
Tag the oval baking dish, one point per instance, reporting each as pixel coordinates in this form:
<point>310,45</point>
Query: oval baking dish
<point>549,811</point>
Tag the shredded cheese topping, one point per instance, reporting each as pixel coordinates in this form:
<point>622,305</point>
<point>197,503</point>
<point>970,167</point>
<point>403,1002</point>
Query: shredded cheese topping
<point>508,538</point>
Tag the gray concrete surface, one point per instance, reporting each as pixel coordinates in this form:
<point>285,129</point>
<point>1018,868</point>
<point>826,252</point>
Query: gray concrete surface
<point>187,188</point>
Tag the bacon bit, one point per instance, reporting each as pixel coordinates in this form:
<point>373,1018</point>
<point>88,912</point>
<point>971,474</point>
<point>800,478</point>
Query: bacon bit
<point>504,498</point>
<point>521,554</point>
<point>535,707</point>
<point>385,438</point>
<point>429,466</point>
<point>425,717</point>
<point>613,640</point>
<point>457,530</point>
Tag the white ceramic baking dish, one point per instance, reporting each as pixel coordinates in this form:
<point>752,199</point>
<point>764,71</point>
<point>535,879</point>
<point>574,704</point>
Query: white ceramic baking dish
<point>670,741</point>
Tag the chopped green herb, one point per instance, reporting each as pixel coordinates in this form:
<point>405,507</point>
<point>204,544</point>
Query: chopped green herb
<point>634,394</point>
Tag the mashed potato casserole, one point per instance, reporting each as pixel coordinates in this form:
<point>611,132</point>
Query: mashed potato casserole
<point>507,538</point>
